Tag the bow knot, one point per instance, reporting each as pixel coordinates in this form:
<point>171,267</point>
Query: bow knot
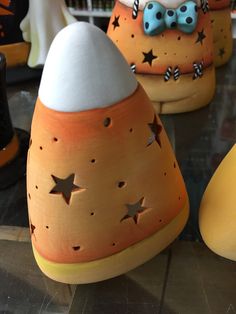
<point>156,18</point>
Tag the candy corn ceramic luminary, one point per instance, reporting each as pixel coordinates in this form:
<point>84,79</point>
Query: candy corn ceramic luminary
<point>105,192</point>
<point>217,218</point>
<point>168,44</point>
<point>41,24</point>
<point>220,13</point>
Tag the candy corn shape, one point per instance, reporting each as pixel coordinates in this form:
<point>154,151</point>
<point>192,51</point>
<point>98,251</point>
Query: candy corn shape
<point>105,192</point>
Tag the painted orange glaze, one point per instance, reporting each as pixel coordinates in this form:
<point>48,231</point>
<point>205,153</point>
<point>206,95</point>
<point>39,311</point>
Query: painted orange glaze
<point>171,48</point>
<point>90,227</point>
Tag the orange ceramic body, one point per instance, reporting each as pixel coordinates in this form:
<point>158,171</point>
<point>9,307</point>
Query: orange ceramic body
<point>116,163</point>
<point>220,13</point>
<point>170,49</point>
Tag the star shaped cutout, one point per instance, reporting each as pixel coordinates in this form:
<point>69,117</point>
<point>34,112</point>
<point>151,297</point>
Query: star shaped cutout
<point>201,37</point>
<point>156,130</point>
<point>149,57</point>
<point>134,210</point>
<point>32,228</point>
<point>65,187</point>
<point>115,23</point>
<point>221,52</point>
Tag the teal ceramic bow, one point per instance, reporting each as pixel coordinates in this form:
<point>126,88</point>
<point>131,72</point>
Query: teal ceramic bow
<point>156,18</point>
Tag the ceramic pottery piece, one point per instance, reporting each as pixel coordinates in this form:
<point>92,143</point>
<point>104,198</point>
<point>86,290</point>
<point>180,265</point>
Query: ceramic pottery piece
<point>168,44</point>
<point>13,143</point>
<point>42,22</point>
<point>12,44</point>
<point>217,218</point>
<point>105,193</point>
<point>220,13</point>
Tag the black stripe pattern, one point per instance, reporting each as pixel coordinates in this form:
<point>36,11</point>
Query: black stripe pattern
<point>176,73</point>
<point>198,70</point>
<point>168,74</point>
<point>205,6</point>
<point>135,9</point>
<point>133,67</point>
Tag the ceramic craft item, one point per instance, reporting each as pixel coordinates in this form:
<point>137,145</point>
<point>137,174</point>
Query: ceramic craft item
<point>217,218</point>
<point>42,22</point>
<point>13,143</point>
<point>220,13</point>
<point>105,193</point>
<point>168,44</point>
<point>12,44</point>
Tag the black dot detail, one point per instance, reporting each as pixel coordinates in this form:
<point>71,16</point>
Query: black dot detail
<point>159,15</point>
<point>146,25</point>
<point>47,227</point>
<point>170,12</point>
<point>173,24</point>
<point>107,122</point>
<point>36,187</point>
<point>76,248</point>
<point>150,6</point>
<point>179,38</point>
<point>55,139</point>
<point>165,174</point>
<point>160,220</point>
<point>113,244</point>
<point>121,184</point>
<point>183,8</point>
<point>92,214</point>
<point>132,35</point>
<point>93,161</point>
<point>41,148</point>
<point>189,20</point>
<point>131,130</point>
<point>179,198</point>
<point>195,8</point>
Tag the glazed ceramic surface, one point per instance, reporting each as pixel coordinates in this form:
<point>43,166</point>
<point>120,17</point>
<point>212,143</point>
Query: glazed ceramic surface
<point>217,212</point>
<point>105,192</point>
<point>169,47</point>
<point>220,12</point>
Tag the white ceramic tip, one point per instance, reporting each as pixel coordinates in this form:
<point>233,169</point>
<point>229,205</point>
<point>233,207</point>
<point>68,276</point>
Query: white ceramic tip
<point>84,70</point>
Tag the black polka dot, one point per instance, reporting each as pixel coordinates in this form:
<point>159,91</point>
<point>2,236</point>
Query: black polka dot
<point>132,35</point>
<point>150,6</point>
<point>173,24</point>
<point>170,12</point>
<point>195,8</point>
<point>189,20</point>
<point>179,38</point>
<point>183,8</point>
<point>159,15</point>
<point>146,25</point>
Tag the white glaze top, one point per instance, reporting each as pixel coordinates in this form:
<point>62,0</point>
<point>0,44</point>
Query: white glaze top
<point>170,4</point>
<point>84,70</point>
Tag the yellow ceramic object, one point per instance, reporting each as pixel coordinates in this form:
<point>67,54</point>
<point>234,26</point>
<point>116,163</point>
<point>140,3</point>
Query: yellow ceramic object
<point>175,68</point>
<point>220,13</point>
<point>105,193</point>
<point>217,218</point>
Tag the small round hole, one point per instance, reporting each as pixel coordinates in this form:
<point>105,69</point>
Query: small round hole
<point>93,161</point>
<point>179,37</point>
<point>36,187</point>
<point>76,248</point>
<point>131,130</point>
<point>132,35</point>
<point>55,139</point>
<point>92,214</point>
<point>160,220</point>
<point>165,173</point>
<point>47,227</point>
<point>41,148</point>
<point>113,244</point>
<point>107,122</point>
<point>121,184</point>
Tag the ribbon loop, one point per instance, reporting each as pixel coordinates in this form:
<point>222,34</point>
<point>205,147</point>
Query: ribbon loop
<point>156,18</point>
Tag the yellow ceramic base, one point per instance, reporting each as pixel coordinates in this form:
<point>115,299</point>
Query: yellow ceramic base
<point>222,36</point>
<point>118,263</point>
<point>182,95</point>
